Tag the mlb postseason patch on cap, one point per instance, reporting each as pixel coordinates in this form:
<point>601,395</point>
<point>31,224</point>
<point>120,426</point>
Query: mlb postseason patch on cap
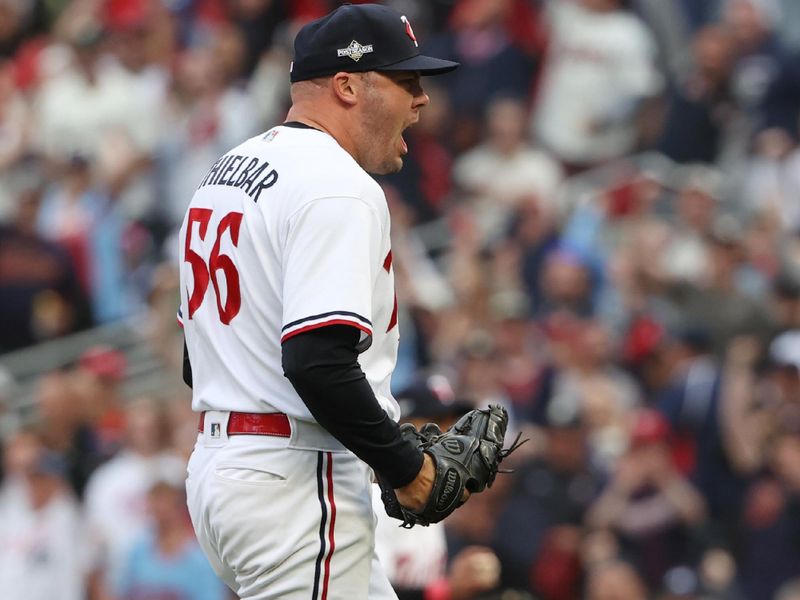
<point>358,38</point>
<point>355,50</point>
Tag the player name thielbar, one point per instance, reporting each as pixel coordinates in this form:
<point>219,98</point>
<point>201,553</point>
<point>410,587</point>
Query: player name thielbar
<point>245,172</point>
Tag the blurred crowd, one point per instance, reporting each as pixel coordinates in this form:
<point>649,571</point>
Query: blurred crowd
<point>596,226</point>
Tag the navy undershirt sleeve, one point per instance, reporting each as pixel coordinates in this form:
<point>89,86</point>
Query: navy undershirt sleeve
<point>322,365</point>
<point>187,366</point>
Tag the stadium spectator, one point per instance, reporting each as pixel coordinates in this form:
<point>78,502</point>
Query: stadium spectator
<point>771,183</point>
<point>699,107</point>
<point>41,296</point>
<point>116,496</point>
<point>686,256</point>
<point>766,79</point>
<point>45,548</point>
<point>504,169</point>
<point>167,562</point>
<point>693,404</point>
<point>769,521</point>
<point>97,379</point>
<point>81,217</point>
<point>651,506</point>
<point>597,50</point>
<point>91,108</point>
<point>537,533</point>
<point>520,361</point>
<point>65,430</point>
<point>491,64</point>
<point>566,286</point>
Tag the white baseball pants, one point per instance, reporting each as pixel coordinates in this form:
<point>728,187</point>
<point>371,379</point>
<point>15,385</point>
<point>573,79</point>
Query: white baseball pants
<point>285,518</point>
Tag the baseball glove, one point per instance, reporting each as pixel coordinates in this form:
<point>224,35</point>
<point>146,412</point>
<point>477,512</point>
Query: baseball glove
<point>467,456</point>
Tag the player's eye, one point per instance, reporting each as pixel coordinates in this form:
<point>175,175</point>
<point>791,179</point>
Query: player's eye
<point>410,83</point>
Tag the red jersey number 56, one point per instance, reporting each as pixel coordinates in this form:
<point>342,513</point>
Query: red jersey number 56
<point>204,271</point>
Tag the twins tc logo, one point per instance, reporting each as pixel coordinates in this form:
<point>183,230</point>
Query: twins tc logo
<point>409,31</point>
<point>354,50</point>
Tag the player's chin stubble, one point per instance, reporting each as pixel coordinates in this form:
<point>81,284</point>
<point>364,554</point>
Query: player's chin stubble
<point>388,167</point>
<point>382,157</point>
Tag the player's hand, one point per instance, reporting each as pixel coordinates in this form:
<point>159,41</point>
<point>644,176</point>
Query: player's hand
<point>414,496</point>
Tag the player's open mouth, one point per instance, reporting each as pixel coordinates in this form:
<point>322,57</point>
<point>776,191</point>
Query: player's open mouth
<point>403,144</point>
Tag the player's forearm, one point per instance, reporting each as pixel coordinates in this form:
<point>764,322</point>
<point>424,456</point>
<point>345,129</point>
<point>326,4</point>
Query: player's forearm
<point>322,365</point>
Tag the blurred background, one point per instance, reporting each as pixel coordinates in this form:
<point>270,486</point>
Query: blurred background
<point>596,226</point>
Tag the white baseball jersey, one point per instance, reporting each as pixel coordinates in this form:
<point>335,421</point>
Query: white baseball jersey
<point>285,234</point>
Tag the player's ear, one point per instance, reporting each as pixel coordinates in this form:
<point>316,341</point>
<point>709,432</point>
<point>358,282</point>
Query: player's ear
<point>346,87</point>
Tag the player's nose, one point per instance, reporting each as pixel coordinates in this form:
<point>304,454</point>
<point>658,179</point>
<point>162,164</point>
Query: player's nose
<point>421,98</point>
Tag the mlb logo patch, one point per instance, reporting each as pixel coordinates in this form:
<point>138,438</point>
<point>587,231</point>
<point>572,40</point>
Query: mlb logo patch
<point>216,430</point>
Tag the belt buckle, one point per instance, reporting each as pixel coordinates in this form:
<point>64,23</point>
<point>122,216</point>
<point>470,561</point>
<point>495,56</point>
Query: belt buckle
<point>215,428</point>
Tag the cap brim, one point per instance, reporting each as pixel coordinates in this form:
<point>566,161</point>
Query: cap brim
<point>425,65</point>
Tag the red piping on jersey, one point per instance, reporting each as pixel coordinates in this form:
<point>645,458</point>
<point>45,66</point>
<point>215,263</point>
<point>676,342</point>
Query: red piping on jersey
<point>330,529</point>
<point>180,323</point>
<point>387,262</point>
<point>393,318</point>
<point>325,324</point>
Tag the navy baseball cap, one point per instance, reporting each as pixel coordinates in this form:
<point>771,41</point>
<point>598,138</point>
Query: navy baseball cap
<point>358,38</point>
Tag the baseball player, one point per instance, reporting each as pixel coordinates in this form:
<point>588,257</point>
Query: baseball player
<point>290,321</point>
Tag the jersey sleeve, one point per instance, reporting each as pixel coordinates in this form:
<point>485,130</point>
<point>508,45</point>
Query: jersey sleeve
<point>330,258</point>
